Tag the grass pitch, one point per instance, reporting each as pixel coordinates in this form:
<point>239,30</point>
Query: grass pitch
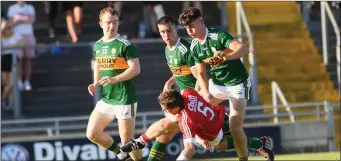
<point>306,156</point>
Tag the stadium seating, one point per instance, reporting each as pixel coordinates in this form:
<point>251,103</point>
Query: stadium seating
<point>287,54</point>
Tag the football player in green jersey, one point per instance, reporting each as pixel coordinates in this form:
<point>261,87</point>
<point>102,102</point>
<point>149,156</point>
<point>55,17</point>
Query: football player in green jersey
<point>229,77</point>
<point>181,64</point>
<point>115,67</point>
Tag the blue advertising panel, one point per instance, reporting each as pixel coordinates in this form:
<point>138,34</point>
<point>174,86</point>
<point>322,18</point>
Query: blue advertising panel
<point>83,149</point>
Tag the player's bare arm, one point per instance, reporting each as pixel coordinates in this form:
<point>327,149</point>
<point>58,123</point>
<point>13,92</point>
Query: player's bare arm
<point>239,50</point>
<point>132,71</point>
<point>202,80</point>
<point>195,74</point>
<point>188,151</point>
<point>170,82</point>
<point>92,87</point>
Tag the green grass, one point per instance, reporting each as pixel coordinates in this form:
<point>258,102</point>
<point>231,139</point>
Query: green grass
<point>305,156</point>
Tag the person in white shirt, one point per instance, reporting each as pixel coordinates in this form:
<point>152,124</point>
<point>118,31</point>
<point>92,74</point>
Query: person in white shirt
<point>8,40</point>
<point>22,16</point>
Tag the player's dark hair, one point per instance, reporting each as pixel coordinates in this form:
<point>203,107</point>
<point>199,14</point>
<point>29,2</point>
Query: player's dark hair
<point>110,10</point>
<point>171,99</point>
<point>189,15</point>
<point>167,20</point>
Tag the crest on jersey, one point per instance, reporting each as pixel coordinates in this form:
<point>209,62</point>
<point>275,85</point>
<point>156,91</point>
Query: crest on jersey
<point>104,51</point>
<point>113,51</point>
<point>170,60</point>
<point>175,61</point>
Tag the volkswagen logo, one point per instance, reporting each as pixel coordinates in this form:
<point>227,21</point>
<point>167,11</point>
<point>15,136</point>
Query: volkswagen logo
<point>14,152</point>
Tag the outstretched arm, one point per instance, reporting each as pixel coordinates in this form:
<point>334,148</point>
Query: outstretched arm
<point>188,151</point>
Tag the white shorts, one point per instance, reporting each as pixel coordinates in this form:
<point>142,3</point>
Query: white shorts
<point>211,144</point>
<point>171,117</point>
<point>122,112</point>
<point>224,92</point>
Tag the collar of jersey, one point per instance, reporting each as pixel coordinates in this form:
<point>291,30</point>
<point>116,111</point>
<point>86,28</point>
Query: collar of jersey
<point>117,35</point>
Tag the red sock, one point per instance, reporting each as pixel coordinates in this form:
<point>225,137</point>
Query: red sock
<point>145,138</point>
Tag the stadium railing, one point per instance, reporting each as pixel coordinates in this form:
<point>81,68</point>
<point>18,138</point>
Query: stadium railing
<point>25,129</point>
<point>325,8</point>
<point>243,22</point>
<point>276,91</point>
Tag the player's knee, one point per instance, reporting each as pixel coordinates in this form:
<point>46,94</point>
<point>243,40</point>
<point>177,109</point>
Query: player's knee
<point>92,135</point>
<point>236,124</point>
<point>165,138</point>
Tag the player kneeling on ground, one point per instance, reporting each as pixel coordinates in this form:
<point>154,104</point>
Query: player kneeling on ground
<point>201,123</point>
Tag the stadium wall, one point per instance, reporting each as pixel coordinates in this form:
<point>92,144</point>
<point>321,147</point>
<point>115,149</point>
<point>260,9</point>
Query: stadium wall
<point>285,138</point>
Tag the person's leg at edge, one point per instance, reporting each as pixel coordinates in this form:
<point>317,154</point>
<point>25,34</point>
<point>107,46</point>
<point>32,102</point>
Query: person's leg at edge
<point>7,81</point>
<point>126,126</point>
<point>95,131</point>
<point>28,56</point>
<point>228,143</point>
<point>70,23</point>
<point>237,113</point>
<point>78,17</point>
<point>127,132</point>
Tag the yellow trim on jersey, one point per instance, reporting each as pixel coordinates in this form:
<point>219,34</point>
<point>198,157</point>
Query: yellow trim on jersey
<point>180,70</point>
<point>111,63</point>
<point>214,61</point>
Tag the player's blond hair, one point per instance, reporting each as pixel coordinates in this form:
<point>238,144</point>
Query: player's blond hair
<point>171,99</point>
<point>109,10</point>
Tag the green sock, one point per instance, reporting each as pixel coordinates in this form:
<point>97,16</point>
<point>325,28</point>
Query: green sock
<point>254,143</point>
<point>230,144</point>
<point>251,143</point>
<point>114,148</point>
<point>157,152</point>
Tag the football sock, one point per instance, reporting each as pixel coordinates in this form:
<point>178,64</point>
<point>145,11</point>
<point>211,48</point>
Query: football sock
<point>254,143</point>
<point>251,143</point>
<point>144,139</point>
<point>157,152</point>
<point>114,147</point>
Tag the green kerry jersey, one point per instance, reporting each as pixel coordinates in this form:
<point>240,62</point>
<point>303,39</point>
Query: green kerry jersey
<point>180,61</point>
<point>224,73</point>
<point>112,58</point>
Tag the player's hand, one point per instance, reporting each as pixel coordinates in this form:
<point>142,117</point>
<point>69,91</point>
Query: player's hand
<point>108,80</point>
<point>221,55</point>
<point>208,97</point>
<point>92,89</point>
<point>167,87</point>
